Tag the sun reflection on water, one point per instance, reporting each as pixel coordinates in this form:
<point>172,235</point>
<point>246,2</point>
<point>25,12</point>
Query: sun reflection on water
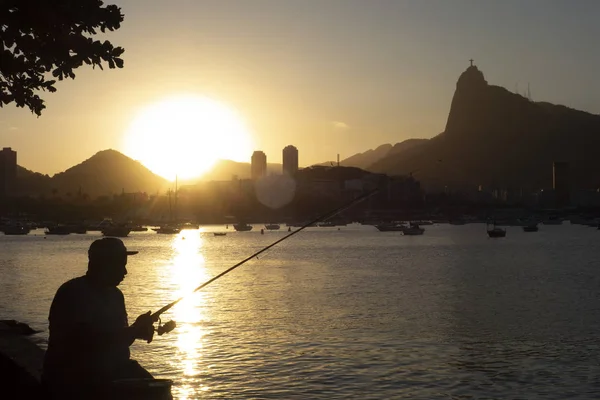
<point>189,271</point>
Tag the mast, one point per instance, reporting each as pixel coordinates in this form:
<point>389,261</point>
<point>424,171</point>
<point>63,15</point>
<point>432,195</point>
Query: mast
<point>175,198</point>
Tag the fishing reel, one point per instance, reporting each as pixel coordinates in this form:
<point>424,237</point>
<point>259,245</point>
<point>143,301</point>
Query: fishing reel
<point>166,328</point>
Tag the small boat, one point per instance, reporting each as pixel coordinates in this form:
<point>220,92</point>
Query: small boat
<point>58,230</point>
<point>413,230</point>
<point>78,229</point>
<point>530,228</point>
<point>188,225</point>
<point>242,227</point>
<point>219,233</point>
<point>168,230</point>
<point>424,222</point>
<point>327,224</point>
<point>116,231</point>
<point>553,221</point>
<point>139,228</point>
<point>15,230</point>
<point>391,227</point>
<point>496,232</point>
<point>272,227</point>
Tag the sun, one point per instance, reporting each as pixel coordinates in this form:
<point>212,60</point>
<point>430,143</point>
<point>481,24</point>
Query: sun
<point>184,136</point>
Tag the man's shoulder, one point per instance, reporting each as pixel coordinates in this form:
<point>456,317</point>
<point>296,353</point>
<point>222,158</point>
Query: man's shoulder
<point>74,284</point>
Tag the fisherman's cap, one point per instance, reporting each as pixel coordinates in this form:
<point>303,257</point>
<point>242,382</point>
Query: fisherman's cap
<point>108,247</point>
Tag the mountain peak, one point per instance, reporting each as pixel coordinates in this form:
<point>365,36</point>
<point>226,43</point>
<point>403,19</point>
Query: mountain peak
<point>472,78</point>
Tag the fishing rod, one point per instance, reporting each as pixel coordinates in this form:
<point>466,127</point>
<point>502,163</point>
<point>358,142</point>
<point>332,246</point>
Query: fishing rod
<point>169,326</point>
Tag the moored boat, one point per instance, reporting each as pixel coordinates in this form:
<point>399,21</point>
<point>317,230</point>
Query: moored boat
<point>219,233</point>
<point>15,230</point>
<point>530,228</point>
<point>495,232</point>
<point>327,224</point>
<point>242,227</point>
<point>553,221</point>
<point>168,230</point>
<point>413,230</point>
<point>272,227</point>
<point>116,231</point>
<point>189,225</point>
<point>391,227</point>
<point>58,230</point>
<point>78,229</point>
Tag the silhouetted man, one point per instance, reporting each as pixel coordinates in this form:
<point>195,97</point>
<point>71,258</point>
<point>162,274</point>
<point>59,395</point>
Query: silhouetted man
<point>90,337</point>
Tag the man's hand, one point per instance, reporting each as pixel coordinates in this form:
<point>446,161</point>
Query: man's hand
<point>143,327</point>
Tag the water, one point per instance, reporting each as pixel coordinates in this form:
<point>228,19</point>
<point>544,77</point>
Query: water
<point>354,313</point>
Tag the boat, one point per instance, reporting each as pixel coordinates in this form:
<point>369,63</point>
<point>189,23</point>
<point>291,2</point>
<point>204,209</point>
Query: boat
<point>139,228</point>
<point>413,230</point>
<point>327,224</point>
<point>272,227</point>
<point>530,228</point>
<point>116,231</point>
<point>300,224</point>
<point>219,233</point>
<point>15,230</point>
<point>170,228</point>
<point>242,227</point>
<point>553,221</point>
<point>424,222</point>
<point>496,232</point>
<point>391,227</point>
<point>58,230</point>
<point>188,225</point>
<point>78,229</point>
<point>167,230</point>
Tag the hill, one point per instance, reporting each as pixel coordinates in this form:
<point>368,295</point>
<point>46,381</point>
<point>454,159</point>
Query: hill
<point>106,172</point>
<point>29,182</point>
<point>366,159</point>
<point>111,172</point>
<point>500,139</point>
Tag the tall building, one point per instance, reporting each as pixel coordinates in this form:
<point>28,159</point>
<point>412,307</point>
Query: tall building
<point>258,166</point>
<point>8,172</point>
<point>560,183</point>
<point>290,160</point>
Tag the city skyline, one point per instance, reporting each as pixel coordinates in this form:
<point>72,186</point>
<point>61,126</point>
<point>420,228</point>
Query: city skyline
<point>308,86</point>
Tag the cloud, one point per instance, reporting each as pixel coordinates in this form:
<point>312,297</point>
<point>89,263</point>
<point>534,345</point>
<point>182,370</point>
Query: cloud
<point>12,128</point>
<point>339,125</point>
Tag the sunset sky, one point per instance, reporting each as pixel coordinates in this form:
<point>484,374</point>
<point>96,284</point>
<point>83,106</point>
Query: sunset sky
<point>328,76</point>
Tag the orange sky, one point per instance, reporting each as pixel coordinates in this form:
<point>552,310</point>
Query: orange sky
<point>337,76</point>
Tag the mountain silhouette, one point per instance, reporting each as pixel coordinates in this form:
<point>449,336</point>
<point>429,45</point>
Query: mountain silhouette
<point>111,172</point>
<point>366,159</point>
<point>107,172</point>
<point>500,139</point>
<point>29,182</point>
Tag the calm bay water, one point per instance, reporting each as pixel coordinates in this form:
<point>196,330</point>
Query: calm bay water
<point>354,313</point>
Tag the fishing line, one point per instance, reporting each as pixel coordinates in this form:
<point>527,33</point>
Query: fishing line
<point>171,324</point>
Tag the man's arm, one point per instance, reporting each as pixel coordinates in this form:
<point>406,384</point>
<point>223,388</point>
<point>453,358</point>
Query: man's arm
<point>69,321</point>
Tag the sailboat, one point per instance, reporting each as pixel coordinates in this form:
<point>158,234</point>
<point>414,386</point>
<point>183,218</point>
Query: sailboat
<point>242,227</point>
<point>170,229</point>
<point>495,232</point>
